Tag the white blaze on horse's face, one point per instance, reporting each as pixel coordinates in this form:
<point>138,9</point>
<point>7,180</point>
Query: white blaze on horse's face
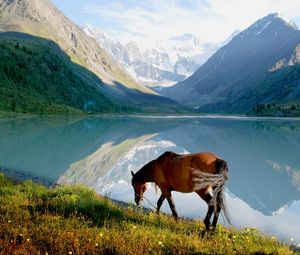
<point>139,189</point>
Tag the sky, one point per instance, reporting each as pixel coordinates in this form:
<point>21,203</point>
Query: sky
<point>150,20</point>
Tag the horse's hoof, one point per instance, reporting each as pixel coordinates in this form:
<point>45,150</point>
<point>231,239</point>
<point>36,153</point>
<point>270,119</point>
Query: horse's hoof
<point>208,227</point>
<point>202,233</point>
<point>205,233</point>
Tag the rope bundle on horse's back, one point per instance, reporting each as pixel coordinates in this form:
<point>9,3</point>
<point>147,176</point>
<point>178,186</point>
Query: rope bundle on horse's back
<point>204,180</point>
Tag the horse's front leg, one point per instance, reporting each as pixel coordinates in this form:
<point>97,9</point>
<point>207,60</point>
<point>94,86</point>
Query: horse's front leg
<point>159,203</point>
<point>172,206</point>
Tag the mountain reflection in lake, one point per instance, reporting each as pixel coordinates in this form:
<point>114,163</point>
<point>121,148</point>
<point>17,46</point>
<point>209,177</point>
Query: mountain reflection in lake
<point>263,156</point>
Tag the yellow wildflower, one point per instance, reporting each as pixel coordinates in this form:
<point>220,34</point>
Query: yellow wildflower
<point>70,252</point>
<point>273,237</point>
<point>101,234</point>
<point>28,240</point>
<point>292,239</point>
<point>298,245</point>
<point>9,221</point>
<point>97,244</point>
<point>134,227</point>
<point>160,243</point>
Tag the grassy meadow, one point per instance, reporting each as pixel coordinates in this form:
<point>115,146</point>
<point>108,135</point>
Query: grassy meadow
<point>35,219</point>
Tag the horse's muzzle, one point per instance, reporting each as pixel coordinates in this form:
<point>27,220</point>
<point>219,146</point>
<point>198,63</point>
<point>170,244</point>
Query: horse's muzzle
<point>138,201</point>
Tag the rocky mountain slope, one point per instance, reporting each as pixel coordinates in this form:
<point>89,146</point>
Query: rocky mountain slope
<point>252,68</point>
<point>161,64</point>
<point>41,18</point>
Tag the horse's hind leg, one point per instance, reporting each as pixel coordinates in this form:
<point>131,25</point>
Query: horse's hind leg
<point>207,197</point>
<point>159,202</point>
<point>217,212</point>
<point>216,216</point>
<point>208,216</point>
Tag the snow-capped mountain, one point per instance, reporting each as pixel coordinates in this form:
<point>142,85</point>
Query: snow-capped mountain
<point>164,63</point>
<point>43,19</point>
<point>243,72</point>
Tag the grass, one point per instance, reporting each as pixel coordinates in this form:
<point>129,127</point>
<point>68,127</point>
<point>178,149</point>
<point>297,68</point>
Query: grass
<point>75,220</point>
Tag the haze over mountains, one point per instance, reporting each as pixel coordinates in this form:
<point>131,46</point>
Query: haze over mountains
<point>162,63</point>
<point>258,66</point>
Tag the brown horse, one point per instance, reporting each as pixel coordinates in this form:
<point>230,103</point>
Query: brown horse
<point>203,173</point>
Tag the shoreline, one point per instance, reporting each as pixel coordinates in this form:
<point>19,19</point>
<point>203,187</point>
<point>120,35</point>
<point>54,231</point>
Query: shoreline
<point>17,176</point>
<point>159,116</point>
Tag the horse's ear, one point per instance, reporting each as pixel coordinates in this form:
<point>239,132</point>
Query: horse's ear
<point>132,173</point>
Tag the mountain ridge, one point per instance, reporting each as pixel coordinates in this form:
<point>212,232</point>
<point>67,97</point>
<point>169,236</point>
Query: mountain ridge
<point>162,64</point>
<point>42,19</point>
<point>230,80</point>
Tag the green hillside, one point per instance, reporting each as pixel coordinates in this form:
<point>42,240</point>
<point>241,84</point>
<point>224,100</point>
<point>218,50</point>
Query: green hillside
<point>37,77</point>
<point>278,94</point>
<point>42,19</point>
<point>75,220</point>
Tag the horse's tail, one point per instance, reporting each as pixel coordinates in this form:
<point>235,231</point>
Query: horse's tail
<point>219,194</point>
<point>203,180</point>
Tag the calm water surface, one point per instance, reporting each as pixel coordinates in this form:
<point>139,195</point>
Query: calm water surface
<point>263,156</point>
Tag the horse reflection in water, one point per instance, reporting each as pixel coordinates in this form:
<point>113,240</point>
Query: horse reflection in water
<point>203,173</point>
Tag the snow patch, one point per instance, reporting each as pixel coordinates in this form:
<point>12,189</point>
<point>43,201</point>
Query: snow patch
<point>263,28</point>
<point>162,63</point>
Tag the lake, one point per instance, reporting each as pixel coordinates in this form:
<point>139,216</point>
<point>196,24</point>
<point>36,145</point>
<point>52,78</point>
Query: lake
<point>263,155</point>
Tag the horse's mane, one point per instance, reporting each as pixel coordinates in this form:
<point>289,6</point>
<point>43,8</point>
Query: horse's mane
<point>144,174</point>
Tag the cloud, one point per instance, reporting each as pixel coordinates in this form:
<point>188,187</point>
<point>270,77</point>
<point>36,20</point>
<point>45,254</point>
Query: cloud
<point>210,20</point>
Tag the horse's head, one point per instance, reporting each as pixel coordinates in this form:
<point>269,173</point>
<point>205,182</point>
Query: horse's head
<point>139,188</point>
